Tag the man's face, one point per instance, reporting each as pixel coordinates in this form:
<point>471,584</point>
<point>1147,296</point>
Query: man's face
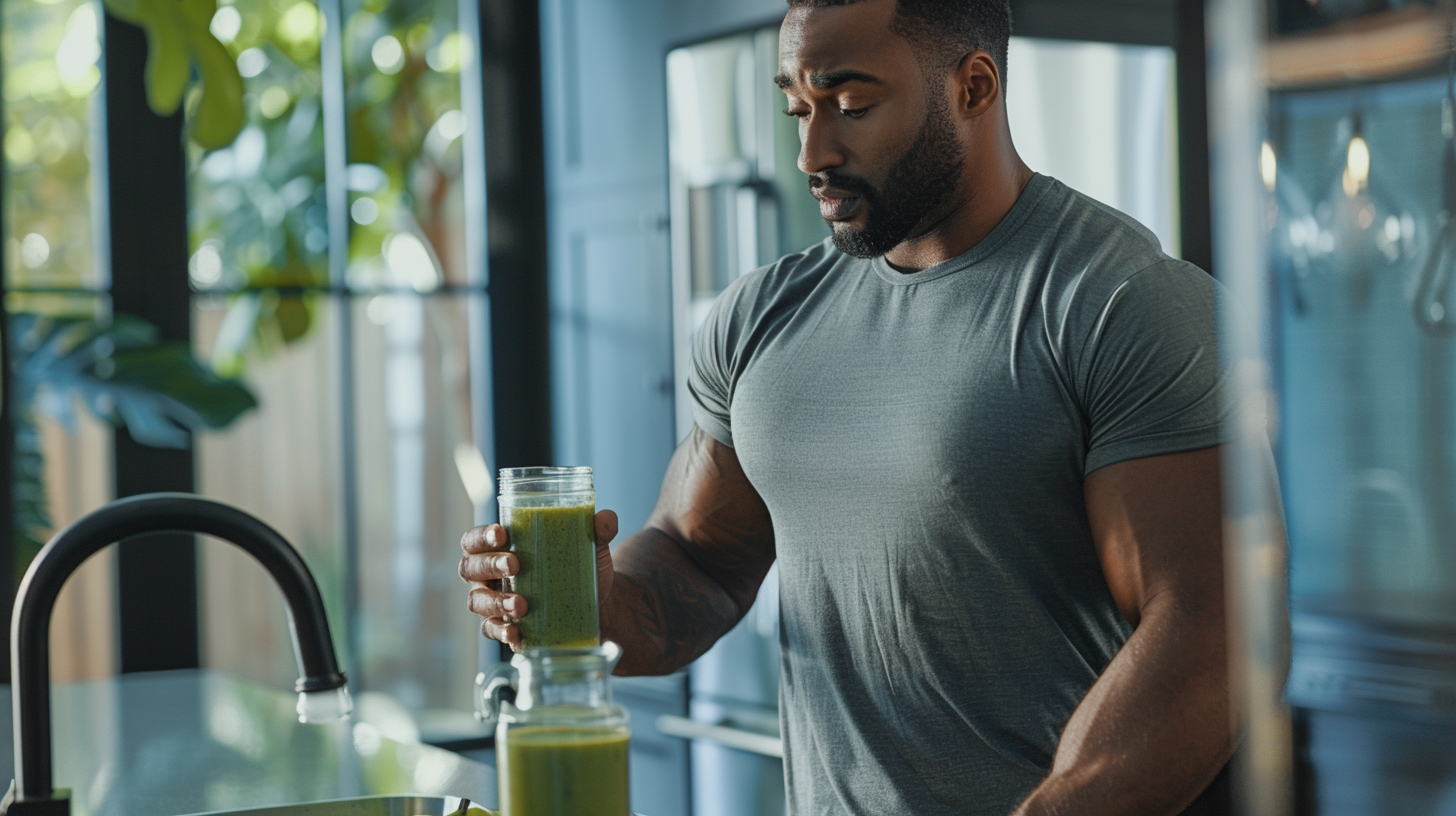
<point>878,139</point>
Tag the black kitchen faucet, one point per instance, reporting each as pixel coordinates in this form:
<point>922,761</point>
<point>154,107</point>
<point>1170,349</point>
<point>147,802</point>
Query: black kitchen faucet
<point>323,690</point>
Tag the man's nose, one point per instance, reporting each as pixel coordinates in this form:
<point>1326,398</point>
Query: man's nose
<point>819,146</point>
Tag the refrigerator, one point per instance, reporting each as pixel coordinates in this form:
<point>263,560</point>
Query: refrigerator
<point>739,201</point>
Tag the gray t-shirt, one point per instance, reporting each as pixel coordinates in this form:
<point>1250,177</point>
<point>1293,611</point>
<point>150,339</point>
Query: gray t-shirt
<point>921,441</point>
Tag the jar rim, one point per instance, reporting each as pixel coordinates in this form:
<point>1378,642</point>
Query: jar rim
<point>543,473</point>
<point>545,480</point>
<point>551,659</point>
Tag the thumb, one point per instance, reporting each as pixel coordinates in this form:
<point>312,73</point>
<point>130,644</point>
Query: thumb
<point>606,527</point>
<point>606,530</point>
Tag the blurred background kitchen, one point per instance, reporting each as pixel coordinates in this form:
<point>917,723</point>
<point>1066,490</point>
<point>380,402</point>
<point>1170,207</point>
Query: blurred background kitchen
<point>451,237</point>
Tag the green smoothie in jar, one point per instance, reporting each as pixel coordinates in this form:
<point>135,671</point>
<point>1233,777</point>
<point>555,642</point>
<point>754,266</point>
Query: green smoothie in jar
<point>564,771</point>
<point>549,515</point>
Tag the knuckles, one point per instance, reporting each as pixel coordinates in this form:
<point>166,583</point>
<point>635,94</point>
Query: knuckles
<point>483,561</point>
<point>485,602</point>
<point>488,538</point>
<point>487,567</point>
<point>503,632</point>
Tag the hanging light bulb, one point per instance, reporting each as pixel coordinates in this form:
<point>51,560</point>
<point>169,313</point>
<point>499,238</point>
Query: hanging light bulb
<point>1357,164</point>
<point>1268,166</point>
<point>1377,240</point>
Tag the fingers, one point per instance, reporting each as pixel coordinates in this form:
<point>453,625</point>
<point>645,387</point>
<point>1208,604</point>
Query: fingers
<point>606,524</point>
<point>488,603</point>
<point>488,567</point>
<point>490,538</point>
<point>503,631</point>
<point>485,563</point>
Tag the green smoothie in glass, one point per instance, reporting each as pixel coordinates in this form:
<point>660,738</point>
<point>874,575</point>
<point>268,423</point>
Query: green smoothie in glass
<point>549,515</point>
<point>558,577</point>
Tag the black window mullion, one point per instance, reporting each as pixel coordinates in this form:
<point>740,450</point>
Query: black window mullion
<point>515,346</point>
<point>1194,184</point>
<point>147,237</point>
<point>520,326</point>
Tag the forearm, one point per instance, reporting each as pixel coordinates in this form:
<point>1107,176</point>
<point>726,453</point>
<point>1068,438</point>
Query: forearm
<point>663,609</point>
<point>1154,730</point>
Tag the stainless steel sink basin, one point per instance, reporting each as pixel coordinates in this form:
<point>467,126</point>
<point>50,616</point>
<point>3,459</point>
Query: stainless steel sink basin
<point>361,806</point>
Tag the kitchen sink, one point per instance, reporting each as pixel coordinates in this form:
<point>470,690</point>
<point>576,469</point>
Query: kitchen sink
<point>359,806</point>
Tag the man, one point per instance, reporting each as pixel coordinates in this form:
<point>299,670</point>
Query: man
<point>978,430</point>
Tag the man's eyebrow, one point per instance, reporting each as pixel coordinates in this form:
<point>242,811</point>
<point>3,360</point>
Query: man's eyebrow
<point>833,79</point>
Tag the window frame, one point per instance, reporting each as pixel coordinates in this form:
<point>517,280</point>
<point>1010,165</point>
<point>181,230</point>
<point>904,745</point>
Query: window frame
<point>141,176</point>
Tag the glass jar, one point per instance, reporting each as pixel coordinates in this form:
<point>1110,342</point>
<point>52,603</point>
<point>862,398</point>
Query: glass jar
<point>562,744</point>
<point>549,514</point>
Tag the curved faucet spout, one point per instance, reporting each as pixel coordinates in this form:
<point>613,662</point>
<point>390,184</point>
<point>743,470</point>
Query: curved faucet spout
<point>152,513</point>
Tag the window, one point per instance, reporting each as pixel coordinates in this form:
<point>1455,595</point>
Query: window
<point>364,378</point>
<point>50,53</point>
<point>330,268</point>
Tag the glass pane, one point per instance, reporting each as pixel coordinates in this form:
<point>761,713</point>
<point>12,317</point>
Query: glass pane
<point>257,220</point>
<point>1368,447</point>
<point>402,64</point>
<point>62,464</point>
<point>280,463</point>
<point>258,223</point>
<point>62,467</point>
<point>50,51</point>
<point>257,206</point>
<point>413,408</point>
<point>1347,169</point>
<point>402,69</point>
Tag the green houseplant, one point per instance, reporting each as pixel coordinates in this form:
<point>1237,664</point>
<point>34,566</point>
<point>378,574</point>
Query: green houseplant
<point>178,36</point>
<point>118,371</point>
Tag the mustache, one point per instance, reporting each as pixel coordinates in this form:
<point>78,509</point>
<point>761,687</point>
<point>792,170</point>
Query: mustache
<point>842,181</point>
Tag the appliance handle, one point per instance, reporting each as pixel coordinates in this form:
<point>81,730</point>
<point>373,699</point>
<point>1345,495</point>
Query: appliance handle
<point>753,743</point>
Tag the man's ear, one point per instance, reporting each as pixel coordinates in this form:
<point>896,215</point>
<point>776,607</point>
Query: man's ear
<point>978,84</point>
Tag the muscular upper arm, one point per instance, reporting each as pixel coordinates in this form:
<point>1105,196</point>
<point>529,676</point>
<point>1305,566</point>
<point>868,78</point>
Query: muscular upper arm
<point>708,506</point>
<point>1158,527</point>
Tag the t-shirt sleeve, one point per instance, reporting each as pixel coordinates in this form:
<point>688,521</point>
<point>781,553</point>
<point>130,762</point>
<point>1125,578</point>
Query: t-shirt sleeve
<point>710,372</point>
<point>1154,382</point>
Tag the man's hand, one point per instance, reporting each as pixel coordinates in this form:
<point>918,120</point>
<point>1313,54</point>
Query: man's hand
<point>487,563</point>
<point>673,588</point>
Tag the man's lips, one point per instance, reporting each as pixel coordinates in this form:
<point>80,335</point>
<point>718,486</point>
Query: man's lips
<point>837,206</point>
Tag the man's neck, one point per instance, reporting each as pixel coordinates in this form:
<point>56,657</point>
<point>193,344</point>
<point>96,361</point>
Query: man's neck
<point>992,193</point>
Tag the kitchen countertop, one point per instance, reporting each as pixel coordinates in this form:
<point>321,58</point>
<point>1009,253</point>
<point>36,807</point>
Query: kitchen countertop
<point>170,743</point>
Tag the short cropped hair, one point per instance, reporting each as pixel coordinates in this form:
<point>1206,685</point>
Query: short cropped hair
<point>951,28</point>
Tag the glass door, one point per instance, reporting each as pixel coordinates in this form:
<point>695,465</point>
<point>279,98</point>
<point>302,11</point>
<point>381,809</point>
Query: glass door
<point>1335,189</point>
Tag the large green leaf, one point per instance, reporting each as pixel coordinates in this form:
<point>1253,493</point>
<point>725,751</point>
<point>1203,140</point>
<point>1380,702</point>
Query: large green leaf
<point>220,113</point>
<point>120,372</point>
<point>177,35</point>
<point>166,382</point>
<point>169,63</point>
<point>196,13</point>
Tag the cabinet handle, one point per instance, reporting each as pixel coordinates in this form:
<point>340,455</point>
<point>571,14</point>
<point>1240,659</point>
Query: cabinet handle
<point>684,728</point>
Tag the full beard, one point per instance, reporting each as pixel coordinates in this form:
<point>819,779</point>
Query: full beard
<point>917,185</point>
